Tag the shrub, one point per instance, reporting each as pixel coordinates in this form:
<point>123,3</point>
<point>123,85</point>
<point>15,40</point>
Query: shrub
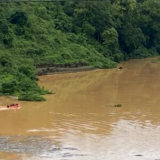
<point>28,71</point>
<point>9,85</point>
<point>141,52</point>
<point>31,96</point>
<point>19,18</point>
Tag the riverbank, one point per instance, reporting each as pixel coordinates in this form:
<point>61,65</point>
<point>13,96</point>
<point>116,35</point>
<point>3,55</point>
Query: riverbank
<point>46,70</point>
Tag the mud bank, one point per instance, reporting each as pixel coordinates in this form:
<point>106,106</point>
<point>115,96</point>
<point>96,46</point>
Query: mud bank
<point>44,69</point>
<point>55,70</point>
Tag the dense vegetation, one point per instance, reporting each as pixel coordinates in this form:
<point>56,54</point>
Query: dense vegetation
<point>98,33</point>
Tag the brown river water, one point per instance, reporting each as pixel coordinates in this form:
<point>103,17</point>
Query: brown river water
<point>76,123</point>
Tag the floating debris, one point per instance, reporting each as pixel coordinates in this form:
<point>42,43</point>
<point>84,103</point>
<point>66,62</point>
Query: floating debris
<point>120,67</point>
<point>116,105</point>
<point>138,155</point>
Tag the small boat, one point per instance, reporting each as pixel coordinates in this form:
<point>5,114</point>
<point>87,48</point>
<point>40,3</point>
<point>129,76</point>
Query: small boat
<point>14,106</point>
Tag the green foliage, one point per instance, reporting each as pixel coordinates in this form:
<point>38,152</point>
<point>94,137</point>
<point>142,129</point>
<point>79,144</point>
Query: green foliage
<point>4,28</point>
<point>31,96</point>
<point>28,71</point>
<point>111,45</point>
<point>19,18</point>
<point>142,52</point>
<point>9,85</point>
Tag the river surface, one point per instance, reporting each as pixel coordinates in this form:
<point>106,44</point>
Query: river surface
<point>78,122</point>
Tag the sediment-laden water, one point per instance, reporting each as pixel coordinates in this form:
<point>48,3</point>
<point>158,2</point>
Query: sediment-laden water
<point>80,122</point>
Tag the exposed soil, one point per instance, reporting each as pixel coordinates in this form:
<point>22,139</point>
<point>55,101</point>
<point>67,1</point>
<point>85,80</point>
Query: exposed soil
<point>44,69</point>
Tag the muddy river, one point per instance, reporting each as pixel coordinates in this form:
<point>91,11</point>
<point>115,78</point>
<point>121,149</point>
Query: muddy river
<point>78,122</point>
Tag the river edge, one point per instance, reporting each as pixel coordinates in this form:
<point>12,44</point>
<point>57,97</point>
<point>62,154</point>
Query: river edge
<point>54,70</point>
<point>64,70</point>
<point>50,69</point>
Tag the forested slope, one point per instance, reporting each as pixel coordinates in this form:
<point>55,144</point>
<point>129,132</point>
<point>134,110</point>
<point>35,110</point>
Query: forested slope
<point>97,33</point>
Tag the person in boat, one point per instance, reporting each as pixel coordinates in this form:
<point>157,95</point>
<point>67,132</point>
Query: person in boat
<point>13,106</point>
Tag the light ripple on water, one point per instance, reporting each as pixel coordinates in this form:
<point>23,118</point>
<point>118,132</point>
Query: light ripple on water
<point>36,146</point>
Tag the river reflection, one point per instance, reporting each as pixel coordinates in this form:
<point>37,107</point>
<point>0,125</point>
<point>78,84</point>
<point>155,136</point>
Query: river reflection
<point>76,123</point>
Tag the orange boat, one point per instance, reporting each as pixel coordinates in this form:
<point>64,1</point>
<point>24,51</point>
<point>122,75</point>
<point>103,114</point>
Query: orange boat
<point>14,106</point>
